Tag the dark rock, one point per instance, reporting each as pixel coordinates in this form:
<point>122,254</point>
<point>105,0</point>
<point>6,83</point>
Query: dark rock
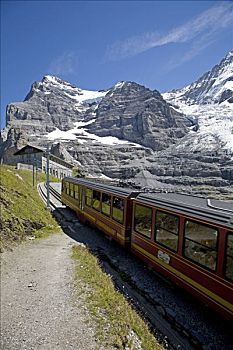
<point>132,112</point>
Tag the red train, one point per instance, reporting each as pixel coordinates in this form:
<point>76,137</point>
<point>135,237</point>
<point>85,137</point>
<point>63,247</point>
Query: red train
<point>185,238</point>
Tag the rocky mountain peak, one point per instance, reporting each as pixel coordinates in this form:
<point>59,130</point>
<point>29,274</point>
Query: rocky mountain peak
<point>52,103</point>
<point>131,87</point>
<point>183,138</point>
<point>126,87</point>
<point>50,79</point>
<point>53,82</point>
<point>213,87</point>
<point>228,57</point>
<point>132,112</point>
<point>52,85</point>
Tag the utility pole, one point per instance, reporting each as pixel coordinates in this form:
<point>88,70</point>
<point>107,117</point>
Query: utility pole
<point>33,171</point>
<point>36,171</point>
<point>47,176</point>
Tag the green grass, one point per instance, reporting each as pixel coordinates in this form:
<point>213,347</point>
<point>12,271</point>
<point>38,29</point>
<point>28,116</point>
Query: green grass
<point>22,210</point>
<point>118,324</point>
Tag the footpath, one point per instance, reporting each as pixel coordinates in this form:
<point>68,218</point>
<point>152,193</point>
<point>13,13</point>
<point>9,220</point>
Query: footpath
<point>39,306</point>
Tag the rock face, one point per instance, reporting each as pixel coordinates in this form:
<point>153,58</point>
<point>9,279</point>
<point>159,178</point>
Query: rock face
<point>209,150</point>
<point>11,140</point>
<point>50,103</point>
<point>182,140</point>
<point>132,112</point>
<point>215,86</point>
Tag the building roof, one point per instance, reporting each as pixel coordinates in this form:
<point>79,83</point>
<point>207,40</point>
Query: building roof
<point>32,149</point>
<point>29,149</point>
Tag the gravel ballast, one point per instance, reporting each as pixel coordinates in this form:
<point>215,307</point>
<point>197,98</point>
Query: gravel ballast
<point>39,307</point>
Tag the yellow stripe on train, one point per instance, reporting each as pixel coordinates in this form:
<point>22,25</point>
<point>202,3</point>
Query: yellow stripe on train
<point>214,297</point>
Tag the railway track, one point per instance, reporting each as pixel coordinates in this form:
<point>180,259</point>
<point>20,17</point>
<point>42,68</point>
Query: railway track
<point>54,198</point>
<point>169,331</point>
<point>172,333</point>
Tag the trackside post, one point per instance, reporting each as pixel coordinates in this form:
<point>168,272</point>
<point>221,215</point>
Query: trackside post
<point>47,177</point>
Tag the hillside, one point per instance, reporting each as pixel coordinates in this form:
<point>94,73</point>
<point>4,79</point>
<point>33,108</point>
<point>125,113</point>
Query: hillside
<point>23,213</point>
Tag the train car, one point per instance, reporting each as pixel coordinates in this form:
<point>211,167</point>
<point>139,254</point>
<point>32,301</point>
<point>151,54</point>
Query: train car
<point>188,241</point>
<point>185,238</point>
<point>108,208</point>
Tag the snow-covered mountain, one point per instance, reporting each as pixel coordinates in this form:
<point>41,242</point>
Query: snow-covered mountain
<point>52,103</point>
<point>50,83</point>
<point>55,109</point>
<point>183,138</point>
<point>209,100</point>
<point>213,87</point>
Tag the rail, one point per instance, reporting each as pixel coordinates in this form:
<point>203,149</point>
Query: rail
<point>42,189</point>
<point>160,319</point>
<point>55,193</point>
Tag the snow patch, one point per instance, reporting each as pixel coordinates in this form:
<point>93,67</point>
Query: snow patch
<point>87,96</point>
<point>214,122</point>
<point>119,85</point>
<point>229,85</point>
<point>73,92</point>
<point>80,134</point>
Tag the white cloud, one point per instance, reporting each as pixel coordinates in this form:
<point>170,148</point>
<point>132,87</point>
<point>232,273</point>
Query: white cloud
<point>207,24</point>
<point>65,64</point>
<point>193,50</point>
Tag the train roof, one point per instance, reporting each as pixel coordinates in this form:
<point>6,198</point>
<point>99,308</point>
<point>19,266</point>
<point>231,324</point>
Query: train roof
<point>214,211</point>
<point>211,210</point>
<point>120,191</point>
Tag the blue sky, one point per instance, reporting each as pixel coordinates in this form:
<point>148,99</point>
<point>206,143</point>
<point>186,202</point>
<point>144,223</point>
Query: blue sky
<point>94,44</point>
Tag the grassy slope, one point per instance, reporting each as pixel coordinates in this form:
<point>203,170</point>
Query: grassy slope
<point>24,214</point>
<point>22,211</point>
<point>119,325</point>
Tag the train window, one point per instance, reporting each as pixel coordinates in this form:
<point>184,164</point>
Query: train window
<point>67,188</point>
<point>76,191</point>
<point>143,220</point>
<point>201,244</point>
<point>96,200</point>
<point>71,190</point>
<point>62,186</point>
<point>88,197</point>
<point>81,198</point>
<point>118,209</point>
<point>167,229</point>
<point>106,204</point>
<point>229,257</point>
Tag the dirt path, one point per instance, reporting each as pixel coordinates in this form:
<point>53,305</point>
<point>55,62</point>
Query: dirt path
<point>39,309</point>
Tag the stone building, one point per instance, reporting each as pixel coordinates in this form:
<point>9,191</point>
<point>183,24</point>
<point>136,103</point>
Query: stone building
<point>35,158</point>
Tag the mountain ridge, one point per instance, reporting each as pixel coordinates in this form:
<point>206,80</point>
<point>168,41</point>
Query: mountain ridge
<point>130,130</point>
<point>214,86</point>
